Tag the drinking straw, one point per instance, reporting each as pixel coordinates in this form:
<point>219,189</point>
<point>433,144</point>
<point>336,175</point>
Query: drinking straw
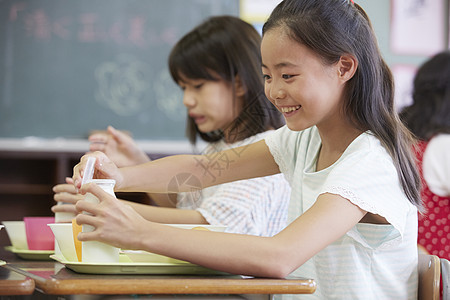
<point>89,171</point>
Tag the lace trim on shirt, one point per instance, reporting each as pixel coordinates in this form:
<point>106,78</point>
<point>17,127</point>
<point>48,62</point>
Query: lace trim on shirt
<point>349,195</point>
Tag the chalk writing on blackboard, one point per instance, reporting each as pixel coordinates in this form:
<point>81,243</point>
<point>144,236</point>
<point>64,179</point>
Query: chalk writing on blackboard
<point>89,27</point>
<point>70,66</point>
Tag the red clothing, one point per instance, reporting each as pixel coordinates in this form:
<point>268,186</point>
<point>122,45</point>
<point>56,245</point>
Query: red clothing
<point>434,225</point>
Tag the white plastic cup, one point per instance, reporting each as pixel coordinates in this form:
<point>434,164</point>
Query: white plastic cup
<point>62,217</point>
<point>57,249</point>
<point>93,251</point>
<point>64,239</point>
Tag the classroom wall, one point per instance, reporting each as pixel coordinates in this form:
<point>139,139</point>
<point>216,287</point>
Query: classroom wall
<point>432,26</point>
<point>45,111</point>
<point>387,15</point>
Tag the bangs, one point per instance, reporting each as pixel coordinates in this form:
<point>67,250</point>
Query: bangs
<point>197,57</point>
<point>184,67</point>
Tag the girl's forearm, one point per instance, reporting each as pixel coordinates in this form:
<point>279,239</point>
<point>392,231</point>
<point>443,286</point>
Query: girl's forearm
<point>184,173</point>
<point>167,215</point>
<point>233,253</point>
<point>163,175</point>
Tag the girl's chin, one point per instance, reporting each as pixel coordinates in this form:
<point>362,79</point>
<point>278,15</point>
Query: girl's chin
<point>206,129</point>
<point>296,127</point>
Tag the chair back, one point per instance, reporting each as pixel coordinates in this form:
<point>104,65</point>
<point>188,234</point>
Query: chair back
<point>445,273</point>
<point>429,269</point>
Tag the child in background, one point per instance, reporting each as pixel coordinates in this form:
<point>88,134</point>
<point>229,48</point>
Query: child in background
<point>355,189</point>
<point>218,66</point>
<point>429,119</point>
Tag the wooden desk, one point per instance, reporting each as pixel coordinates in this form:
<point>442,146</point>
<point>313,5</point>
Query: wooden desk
<point>12,283</point>
<point>53,278</point>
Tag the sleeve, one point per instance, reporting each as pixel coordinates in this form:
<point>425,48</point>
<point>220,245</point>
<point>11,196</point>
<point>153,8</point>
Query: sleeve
<point>239,205</point>
<point>369,180</point>
<point>188,200</point>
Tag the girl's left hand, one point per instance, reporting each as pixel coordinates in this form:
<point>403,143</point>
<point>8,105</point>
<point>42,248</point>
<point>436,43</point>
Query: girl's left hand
<point>115,223</point>
<point>67,194</point>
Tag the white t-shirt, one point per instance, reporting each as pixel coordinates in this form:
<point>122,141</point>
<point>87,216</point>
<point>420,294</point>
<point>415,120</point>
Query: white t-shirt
<point>370,261</point>
<point>436,165</point>
<point>255,206</point>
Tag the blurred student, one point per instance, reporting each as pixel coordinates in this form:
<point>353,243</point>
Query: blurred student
<point>428,118</point>
<point>218,67</point>
<point>355,187</point>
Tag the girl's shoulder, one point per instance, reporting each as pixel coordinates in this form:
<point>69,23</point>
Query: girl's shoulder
<point>366,157</point>
<point>436,164</point>
<point>366,144</point>
<point>438,148</point>
<point>441,141</point>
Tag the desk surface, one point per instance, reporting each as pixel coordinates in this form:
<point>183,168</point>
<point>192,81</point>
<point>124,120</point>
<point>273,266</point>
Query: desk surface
<point>51,277</point>
<point>12,283</point>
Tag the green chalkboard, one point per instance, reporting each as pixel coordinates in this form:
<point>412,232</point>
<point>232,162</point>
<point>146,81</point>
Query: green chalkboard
<point>70,66</point>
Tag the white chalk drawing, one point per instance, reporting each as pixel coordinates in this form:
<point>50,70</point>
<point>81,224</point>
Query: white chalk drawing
<point>123,85</point>
<point>169,97</point>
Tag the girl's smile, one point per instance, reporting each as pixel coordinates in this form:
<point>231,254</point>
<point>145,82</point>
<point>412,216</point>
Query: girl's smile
<point>289,110</point>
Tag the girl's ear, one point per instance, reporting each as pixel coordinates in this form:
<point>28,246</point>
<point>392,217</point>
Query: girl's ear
<point>347,66</point>
<point>239,86</point>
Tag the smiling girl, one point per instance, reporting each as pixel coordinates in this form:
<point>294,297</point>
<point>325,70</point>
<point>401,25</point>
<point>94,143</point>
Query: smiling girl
<point>355,190</point>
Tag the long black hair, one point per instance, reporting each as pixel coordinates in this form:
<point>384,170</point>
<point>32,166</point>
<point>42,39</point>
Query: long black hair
<point>332,28</point>
<point>224,47</point>
<point>429,114</point>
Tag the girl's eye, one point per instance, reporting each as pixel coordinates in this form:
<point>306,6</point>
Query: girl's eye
<point>198,86</point>
<point>266,77</point>
<point>286,76</point>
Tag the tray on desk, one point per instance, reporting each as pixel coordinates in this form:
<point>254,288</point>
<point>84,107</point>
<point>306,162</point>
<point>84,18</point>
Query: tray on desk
<point>31,254</point>
<point>126,266</point>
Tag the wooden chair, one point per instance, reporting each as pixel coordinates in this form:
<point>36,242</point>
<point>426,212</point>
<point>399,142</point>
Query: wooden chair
<point>445,271</point>
<point>429,268</point>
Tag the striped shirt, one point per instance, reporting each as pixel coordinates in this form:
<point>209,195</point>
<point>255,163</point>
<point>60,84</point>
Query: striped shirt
<point>255,206</point>
<point>370,261</point>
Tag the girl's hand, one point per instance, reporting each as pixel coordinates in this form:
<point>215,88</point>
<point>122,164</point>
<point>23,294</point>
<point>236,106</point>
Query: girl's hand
<point>118,146</point>
<point>104,168</point>
<point>66,193</point>
<point>115,223</point>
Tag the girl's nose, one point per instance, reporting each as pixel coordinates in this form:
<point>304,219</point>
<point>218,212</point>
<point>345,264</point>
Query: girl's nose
<point>276,92</point>
<point>188,99</point>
